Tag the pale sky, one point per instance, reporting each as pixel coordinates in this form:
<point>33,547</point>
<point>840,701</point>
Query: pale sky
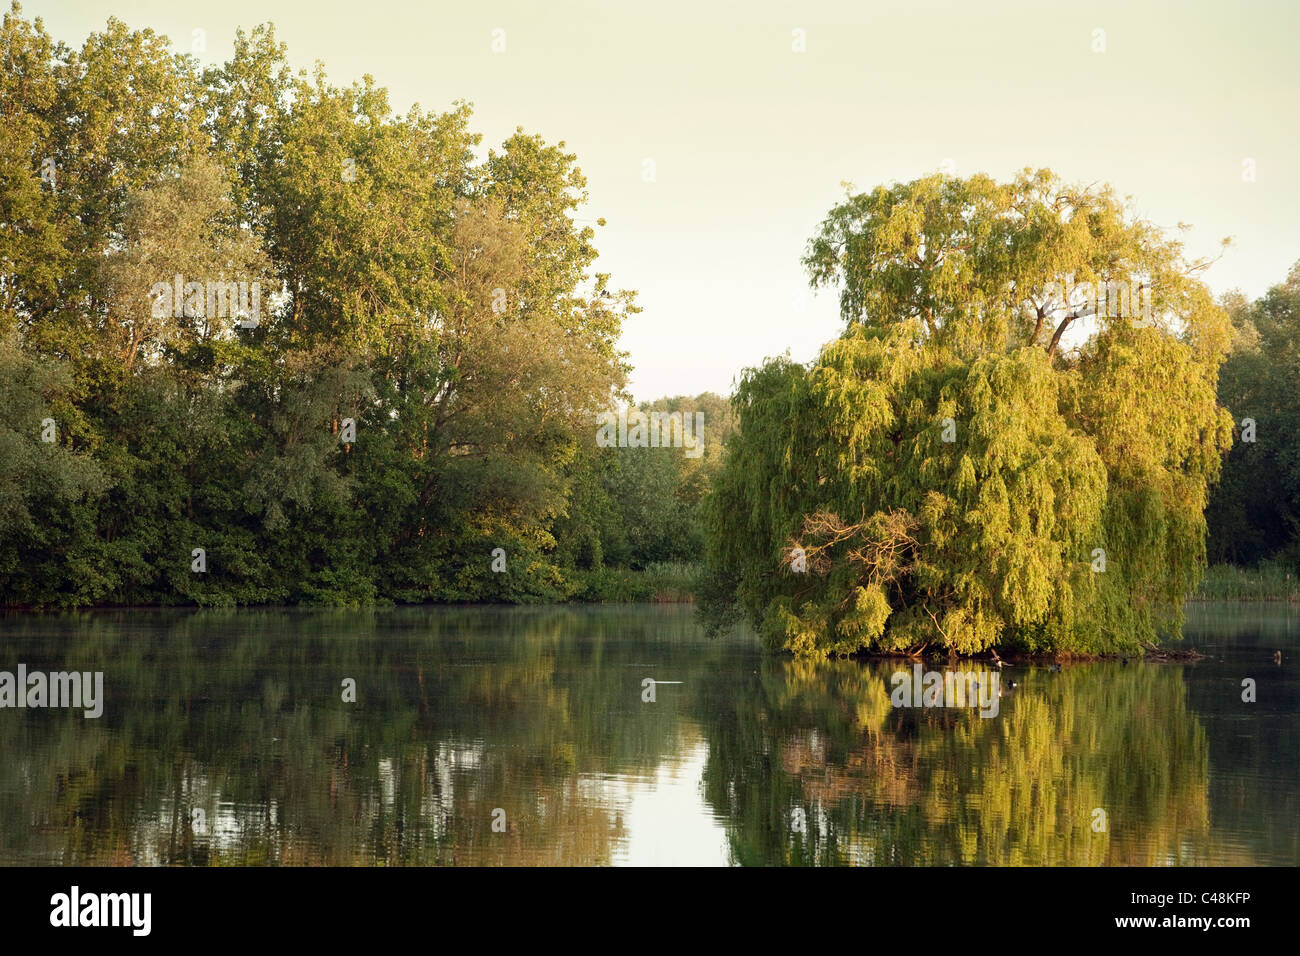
<point>750,140</point>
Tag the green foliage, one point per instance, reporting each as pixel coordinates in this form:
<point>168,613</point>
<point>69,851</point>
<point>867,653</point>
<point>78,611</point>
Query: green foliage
<point>949,467</point>
<point>46,488</point>
<point>1254,514</point>
<point>445,305</point>
<point>635,507</point>
<point>609,585</point>
<point>1268,582</point>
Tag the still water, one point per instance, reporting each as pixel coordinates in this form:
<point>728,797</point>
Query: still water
<point>522,737</point>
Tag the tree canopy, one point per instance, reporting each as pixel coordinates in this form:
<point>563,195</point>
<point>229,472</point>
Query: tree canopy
<point>1010,445</point>
<point>1254,513</point>
<point>407,382</point>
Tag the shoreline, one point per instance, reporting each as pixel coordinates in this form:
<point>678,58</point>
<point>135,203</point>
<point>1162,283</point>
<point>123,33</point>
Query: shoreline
<point>665,597</point>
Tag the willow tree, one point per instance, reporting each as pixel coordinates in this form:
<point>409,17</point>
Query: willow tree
<point>1010,445</point>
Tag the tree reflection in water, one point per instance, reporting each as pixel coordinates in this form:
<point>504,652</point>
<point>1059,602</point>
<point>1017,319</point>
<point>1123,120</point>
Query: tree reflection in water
<point>238,715</point>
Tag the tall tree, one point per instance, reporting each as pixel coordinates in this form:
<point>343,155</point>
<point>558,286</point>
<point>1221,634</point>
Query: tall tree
<point>1254,514</point>
<point>1006,447</point>
<point>430,349</point>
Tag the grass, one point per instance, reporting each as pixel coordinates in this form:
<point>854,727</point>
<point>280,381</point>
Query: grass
<point>667,582</point>
<point>1226,582</point>
<point>672,581</point>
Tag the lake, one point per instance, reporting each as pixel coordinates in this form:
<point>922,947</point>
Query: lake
<point>480,736</point>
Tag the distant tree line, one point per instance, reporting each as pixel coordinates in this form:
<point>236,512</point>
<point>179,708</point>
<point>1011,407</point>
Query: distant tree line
<point>1254,513</point>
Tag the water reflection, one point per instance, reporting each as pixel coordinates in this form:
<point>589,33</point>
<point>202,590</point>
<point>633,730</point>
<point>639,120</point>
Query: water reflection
<point>225,740</point>
<point>942,786</point>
